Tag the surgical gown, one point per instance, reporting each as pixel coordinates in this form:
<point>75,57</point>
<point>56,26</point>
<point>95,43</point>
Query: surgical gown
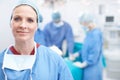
<point>56,35</point>
<point>92,54</point>
<point>39,37</point>
<point>48,66</point>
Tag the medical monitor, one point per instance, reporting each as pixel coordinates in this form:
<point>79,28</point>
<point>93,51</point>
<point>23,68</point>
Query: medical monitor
<point>109,19</point>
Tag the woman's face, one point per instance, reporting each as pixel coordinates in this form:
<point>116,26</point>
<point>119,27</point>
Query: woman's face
<point>24,23</point>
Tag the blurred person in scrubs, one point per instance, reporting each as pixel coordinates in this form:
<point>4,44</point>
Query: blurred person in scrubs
<point>91,52</point>
<point>26,59</point>
<point>57,31</point>
<point>39,35</point>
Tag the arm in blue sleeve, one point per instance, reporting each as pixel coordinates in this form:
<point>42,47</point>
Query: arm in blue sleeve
<point>69,39</point>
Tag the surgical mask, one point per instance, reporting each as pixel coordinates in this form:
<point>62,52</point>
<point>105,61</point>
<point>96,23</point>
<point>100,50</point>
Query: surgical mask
<point>85,28</point>
<point>61,23</point>
<point>19,62</point>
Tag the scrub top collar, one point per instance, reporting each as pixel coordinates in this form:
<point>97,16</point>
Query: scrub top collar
<point>19,62</point>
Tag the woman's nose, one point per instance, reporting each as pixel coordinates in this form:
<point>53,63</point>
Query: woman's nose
<point>23,24</point>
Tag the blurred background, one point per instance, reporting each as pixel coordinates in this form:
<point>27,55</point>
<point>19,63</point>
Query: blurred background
<point>107,13</point>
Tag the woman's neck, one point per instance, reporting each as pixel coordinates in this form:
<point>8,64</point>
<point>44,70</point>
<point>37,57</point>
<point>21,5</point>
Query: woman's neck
<point>24,48</point>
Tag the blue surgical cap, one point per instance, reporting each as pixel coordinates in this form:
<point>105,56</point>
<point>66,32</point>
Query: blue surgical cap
<point>33,5</point>
<point>86,18</point>
<point>56,15</point>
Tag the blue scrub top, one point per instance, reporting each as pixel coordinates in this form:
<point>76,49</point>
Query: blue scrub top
<point>92,53</point>
<point>39,37</point>
<point>48,66</point>
<point>56,35</point>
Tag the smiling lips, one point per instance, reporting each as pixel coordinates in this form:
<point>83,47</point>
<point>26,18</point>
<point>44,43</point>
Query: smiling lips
<point>22,32</point>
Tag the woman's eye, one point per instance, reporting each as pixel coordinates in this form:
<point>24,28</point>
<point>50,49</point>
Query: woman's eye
<point>30,20</point>
<point>17,19</point>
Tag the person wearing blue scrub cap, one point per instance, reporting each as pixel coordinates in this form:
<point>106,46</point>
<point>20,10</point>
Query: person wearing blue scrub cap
<point>39,35</point>
<point>26,59</point>
<point>91,52</point>
<point>86,19</point>
<point>57,31</point>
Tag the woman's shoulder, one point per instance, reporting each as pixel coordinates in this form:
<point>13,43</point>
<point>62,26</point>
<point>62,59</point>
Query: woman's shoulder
<point>46,51</point>
<point>46,54</point>
<point>2,55</point>
<point>97,31</point>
